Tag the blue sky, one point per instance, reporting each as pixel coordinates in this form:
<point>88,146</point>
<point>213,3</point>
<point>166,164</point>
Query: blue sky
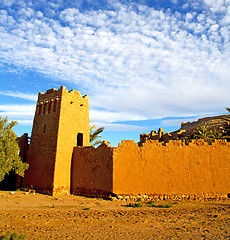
<point>145,64</point>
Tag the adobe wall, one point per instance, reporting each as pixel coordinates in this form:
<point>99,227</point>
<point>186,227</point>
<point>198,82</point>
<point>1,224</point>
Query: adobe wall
<point>74,119</point>
<point>42,149</point>
<point>23,145</point>
<point>60,116</point>
<point>153,168</point>
<point>92,170</point>
<point>176,168</point>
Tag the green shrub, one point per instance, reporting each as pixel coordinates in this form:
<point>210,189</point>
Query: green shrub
<point>13,236</point>
<point>153,204</point>
<point>86,209</point>
<point>134,205</point>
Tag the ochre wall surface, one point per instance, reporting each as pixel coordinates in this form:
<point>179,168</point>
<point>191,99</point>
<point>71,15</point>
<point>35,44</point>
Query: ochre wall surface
<point>153,169</point>
<point>92,170</point>
<point>43,144</point>
<point>56,164</point>
<point>60,115</point>
<point>172,169</point>
<point>74,119</point>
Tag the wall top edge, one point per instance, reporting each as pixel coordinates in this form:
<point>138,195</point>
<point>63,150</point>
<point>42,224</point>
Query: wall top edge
<point>60,91</point>
<point>172,143</point>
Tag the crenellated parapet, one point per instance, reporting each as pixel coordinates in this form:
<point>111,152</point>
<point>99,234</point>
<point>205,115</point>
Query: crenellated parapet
<point>49,102</point>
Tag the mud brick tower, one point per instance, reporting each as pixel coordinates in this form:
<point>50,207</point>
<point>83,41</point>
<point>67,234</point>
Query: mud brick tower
<point>61,122</point>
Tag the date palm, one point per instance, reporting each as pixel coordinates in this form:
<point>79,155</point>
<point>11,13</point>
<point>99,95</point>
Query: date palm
<point>94,135</point>
<point>226,126</point>
<point>202,132</point>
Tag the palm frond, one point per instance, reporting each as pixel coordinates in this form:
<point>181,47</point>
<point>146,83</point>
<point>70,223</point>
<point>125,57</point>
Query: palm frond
<point>94,135</point>
<point>97,142</point>
<point>227,118</point>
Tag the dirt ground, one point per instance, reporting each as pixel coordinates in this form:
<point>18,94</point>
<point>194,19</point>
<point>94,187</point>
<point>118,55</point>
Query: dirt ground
<point>73,217</point>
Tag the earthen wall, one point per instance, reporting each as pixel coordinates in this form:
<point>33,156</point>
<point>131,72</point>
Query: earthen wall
<point>74,120</point>
<point>175,168</point>
<point>60,116</point>
<point>43,145</point>
<point>155,169</point>
<point>92,170</point>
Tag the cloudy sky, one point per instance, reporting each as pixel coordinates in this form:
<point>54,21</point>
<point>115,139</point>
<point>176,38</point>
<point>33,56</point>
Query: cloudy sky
<point>145,64</point>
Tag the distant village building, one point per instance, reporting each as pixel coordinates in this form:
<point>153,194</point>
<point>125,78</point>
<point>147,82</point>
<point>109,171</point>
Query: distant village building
<point>185,130</point>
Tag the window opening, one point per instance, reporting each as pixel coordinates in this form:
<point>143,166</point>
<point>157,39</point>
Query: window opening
<point>50,103</point>
<point>40,109</point>
<point>80,139</point>
<point>55,106</point>
<point>44,109</point>
<point>44,129</point>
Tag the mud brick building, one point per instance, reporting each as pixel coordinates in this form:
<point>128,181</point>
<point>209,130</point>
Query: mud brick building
<point>61,122</point>
<point>62,161</point>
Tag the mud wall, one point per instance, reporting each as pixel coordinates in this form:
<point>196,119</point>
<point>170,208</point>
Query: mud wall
<point>153,168</point>
<point>42,149</point>
<point>172,169</point>
<point>92,170</point>
<point>60,116</point>
<point>73,119</point>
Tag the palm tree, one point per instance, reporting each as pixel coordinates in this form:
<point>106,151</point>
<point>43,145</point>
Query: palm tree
<point>94,135</point>
<point>228,117</point>
<point>226,126</point>
<point>218,133</point>
<point>202,132</point>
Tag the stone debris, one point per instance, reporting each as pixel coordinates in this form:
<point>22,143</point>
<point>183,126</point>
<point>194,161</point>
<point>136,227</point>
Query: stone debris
<point>194,197</point>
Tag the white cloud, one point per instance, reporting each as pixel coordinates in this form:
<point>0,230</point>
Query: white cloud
<point>135,66</point>
<point>22,113</point>
<point>107,116</point>
<point>176,122</point>
<point>27,96</point>
<point>18,108</point>
<point>118,127</point>
<point>6,3</point>
<point>217,5</point>
<point>25,122</point>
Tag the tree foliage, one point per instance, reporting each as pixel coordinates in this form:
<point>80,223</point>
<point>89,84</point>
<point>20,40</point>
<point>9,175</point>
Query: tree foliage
<point>226,126</point>
<point>202,132</point>
<point>9,149</point>
<point>210,134</point>
<point>94,135</point>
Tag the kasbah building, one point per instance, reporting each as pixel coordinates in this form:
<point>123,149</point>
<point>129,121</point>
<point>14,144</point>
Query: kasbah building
<point>61,160</point>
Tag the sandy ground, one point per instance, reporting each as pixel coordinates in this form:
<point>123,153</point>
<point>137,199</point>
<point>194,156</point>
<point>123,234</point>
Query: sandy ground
<point>73,217</point>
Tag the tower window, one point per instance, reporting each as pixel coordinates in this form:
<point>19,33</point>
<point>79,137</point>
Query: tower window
<point>80,139</point>
<point>44,128</point>
<point>55,106</point>
<point>40,109</point>
<point>49,109</point>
